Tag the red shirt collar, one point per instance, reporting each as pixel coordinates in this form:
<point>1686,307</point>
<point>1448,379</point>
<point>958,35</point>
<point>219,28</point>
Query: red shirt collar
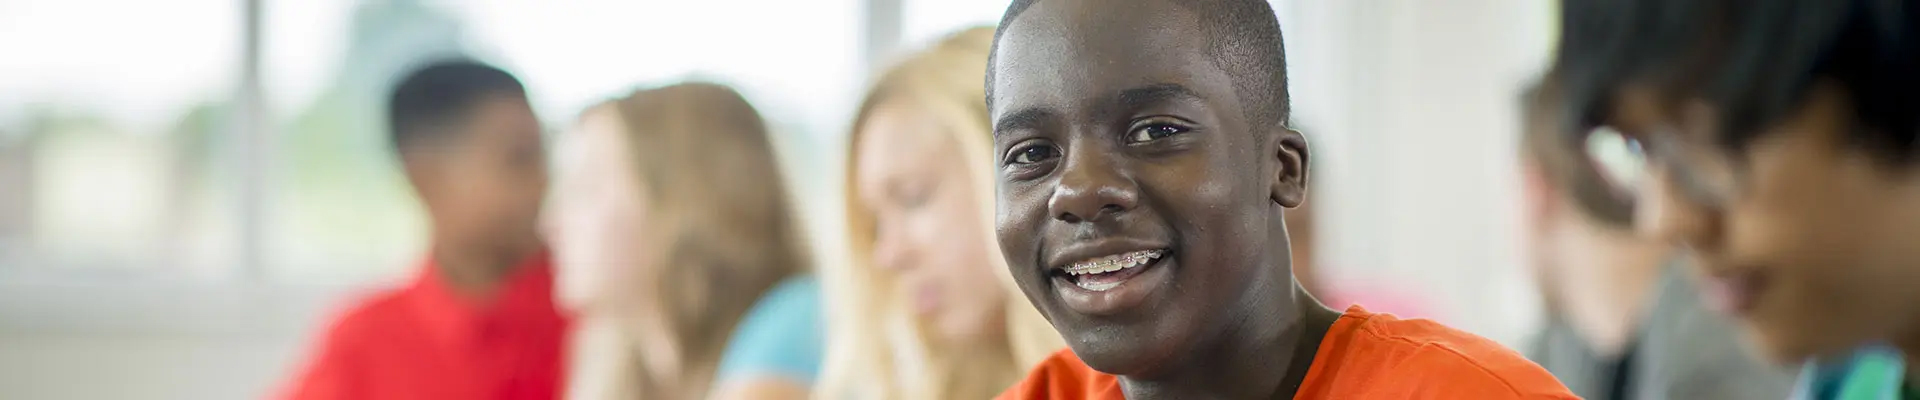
<point>525,297</point>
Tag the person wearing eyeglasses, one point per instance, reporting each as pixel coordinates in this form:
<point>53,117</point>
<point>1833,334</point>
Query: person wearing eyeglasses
<point>1623,319</point>
<point>1774,141</point>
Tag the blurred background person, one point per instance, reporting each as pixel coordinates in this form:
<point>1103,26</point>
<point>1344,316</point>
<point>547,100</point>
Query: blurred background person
<point>1776,141</point>
<point>926,309</point>
<point>672,220</point>
<point>1624,320</point>
<point>479,321</point>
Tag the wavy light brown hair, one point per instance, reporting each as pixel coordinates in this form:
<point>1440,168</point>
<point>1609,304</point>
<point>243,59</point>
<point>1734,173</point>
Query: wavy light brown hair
<point>721,213</point>
<point>876,350</point>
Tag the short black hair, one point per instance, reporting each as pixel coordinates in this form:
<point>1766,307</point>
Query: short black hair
<point>1243,38</point>
<point>440,95</point>
<point>1754,61</point>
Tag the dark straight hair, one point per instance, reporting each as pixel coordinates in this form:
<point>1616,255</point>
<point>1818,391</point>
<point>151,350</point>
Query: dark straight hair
<point>1754,61</point>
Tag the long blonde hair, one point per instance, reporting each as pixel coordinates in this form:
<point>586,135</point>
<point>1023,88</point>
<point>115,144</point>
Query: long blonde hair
<point>875,349</point>
<point>720,212</point>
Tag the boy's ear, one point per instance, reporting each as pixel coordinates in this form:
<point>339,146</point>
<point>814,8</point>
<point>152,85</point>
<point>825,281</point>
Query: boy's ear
<point>1290,179</point>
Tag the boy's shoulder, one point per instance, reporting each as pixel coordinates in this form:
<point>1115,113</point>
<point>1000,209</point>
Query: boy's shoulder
<point>1364,355</point>
<point>1063,376</point>
<point>1369,355</point>
<point>368,315</point>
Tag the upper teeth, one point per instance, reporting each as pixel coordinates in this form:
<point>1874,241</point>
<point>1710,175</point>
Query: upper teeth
<point>1116,262</point>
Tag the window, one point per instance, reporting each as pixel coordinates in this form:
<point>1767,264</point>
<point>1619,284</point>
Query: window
<point>120,150</point>
<point>340,209</point>
<point>114,155</point>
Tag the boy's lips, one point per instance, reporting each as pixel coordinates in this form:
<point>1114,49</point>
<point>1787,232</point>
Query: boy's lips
<point>1109,277</point>
<point>1114,292</point>
<point>1072,254</point>
<point>1733,292</point>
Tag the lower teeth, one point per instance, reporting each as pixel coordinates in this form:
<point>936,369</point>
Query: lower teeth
<point>1098,287</point>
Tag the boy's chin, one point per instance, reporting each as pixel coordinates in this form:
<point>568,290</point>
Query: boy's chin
<point>1118,352</point>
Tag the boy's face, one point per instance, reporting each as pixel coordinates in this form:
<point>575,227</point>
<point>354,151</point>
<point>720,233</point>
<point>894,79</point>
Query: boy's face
<point>1803,235</point>
<point>485,184</point>
<point>1137,207</point>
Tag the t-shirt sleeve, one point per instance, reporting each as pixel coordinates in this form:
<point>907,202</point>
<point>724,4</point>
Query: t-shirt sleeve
<point>780,337</point>
<point>1489,374</point>
<point>1376,356</point>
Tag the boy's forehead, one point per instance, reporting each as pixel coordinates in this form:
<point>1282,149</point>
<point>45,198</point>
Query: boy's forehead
<point>1098,15</point>
<point>500,119</point>
<point>1065,50</point>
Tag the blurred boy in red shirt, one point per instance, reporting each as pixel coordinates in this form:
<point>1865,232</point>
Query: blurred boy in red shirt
<point>479,321</point>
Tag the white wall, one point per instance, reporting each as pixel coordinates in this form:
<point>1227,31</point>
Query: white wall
<point>1411,111</point>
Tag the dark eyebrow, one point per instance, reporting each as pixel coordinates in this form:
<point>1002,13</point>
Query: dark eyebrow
<point>1021,119</point>
<point>1154,94</point>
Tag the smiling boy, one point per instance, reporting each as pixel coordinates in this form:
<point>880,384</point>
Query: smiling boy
<point>1143,163</point>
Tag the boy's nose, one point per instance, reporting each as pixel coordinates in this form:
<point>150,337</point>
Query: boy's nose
<point>1091,189</point>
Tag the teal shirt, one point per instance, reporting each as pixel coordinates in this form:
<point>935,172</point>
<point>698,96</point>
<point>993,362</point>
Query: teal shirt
<point>1873,373</point>
<point>781,337</point>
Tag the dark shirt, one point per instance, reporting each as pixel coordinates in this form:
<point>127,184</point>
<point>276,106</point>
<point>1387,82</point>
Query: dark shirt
<point>1681,351</point>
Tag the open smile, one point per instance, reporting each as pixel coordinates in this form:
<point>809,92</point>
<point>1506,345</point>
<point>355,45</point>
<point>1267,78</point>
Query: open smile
<point>1101,274</point>
<point>1111,283</point>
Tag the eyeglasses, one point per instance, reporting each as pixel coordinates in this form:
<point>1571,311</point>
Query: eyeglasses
<point>1626,160</point>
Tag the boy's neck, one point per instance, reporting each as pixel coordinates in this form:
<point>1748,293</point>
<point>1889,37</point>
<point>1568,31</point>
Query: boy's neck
<point>1909,350</point>
<point>1266,357</point>
<point>475,272</point>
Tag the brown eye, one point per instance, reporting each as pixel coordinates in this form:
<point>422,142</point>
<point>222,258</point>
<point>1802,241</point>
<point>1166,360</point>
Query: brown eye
<point>1032,154</point>
<point>1151,132</point>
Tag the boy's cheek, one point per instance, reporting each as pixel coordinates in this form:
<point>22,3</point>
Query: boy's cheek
<point>1019,227</point>
<point>1016,243</point>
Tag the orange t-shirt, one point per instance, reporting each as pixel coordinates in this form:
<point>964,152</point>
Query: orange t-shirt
<point>1364,356</point>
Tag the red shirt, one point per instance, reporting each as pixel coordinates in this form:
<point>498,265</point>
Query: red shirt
<point>426,341</point>
<point>1363,356</point>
